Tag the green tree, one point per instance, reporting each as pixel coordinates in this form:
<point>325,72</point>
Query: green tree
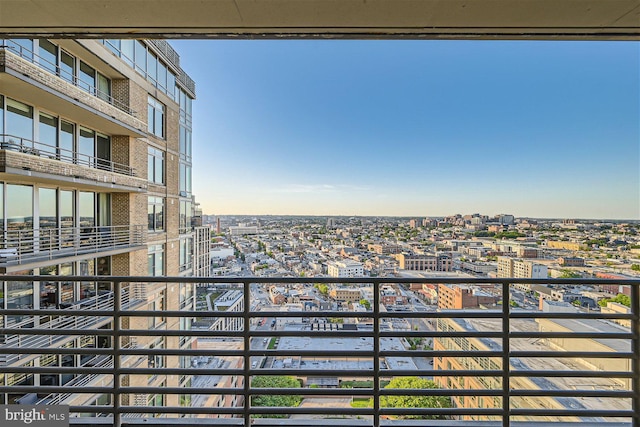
<point>289,400</point>
<point>365,303</point>
<point>635,267</point>
<point>422,401</point>
<point>620,299</point>
<point>322,288</point>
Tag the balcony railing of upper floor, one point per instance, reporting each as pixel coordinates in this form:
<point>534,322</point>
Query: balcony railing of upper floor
<point>71,78</point>
<point>33,245</point>
<point>493,366</point>
<point>104,301</point>
<point>40,149</point>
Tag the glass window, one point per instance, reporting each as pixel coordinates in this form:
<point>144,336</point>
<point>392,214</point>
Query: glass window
<point>86,147</point>
<point>67,215</point>
<point>171,83</point>
<point>47,132</point>
<point>66,142</point>
<point>48,212</point>
<point>113,45</point>
<point>162,76</point>
<point>185,254</point>
<point>87,79</point>
<point>103,152</point>
<point>155,117</point>
<point>141,57</point>
<point>67,67</point>
<point>126,49</point>
<point>155,165</point>
<point>152,65</point>
<point>86,204</point>
<point>156,213</point>
<point>20,121</point>
<point>48,56</point>
<point>185,216</point>
<point>104,88</point>
<point>2,116</point>
<point>156,260</point>
<point>20,210</point>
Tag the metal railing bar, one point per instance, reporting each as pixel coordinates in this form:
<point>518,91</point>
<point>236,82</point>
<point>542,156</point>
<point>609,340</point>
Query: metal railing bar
<point>617,394</point>
<point>635,358</point>
<point>571,413</point>
<point>574,354</point>
<point>41,149</point>
<point>117,348</point>
<point>376,350</point>
<point>572,374</point>
<point>506,363</point>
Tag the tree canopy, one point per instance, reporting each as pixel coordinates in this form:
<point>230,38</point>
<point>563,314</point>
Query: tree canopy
<point>264,381</point>
<point>422,401</point>
<point>620,299</point>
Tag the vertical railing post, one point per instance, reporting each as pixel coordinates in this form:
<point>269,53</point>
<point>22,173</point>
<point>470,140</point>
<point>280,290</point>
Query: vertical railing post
<point>506,411</point>
<point>376,354</point>
<point>247,346</point>
<point>635,346</point>
<point>117,306</point>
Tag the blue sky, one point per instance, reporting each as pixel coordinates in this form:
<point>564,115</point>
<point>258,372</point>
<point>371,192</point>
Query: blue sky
<point>416,128</point>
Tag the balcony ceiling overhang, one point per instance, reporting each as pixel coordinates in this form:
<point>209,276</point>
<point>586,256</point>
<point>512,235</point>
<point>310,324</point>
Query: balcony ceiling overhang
<point>320,19</point>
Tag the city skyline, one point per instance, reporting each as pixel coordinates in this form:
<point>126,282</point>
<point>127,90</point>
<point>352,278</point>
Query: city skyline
<point>416,128</point>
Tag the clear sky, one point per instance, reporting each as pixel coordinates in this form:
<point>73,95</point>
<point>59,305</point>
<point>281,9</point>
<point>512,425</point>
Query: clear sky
<point>416,128</point>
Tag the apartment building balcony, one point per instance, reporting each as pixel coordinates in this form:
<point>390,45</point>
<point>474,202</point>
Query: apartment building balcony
<point>496,366</point>
<point>29,78</point>
<point>24,249</point>
<point>40,162</point>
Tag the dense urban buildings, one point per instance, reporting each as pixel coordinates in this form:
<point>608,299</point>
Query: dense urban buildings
<point>95,179</point>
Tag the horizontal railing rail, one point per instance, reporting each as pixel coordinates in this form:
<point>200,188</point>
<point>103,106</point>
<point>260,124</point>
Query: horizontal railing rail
<point>70,78</point>
<point>500,364</point>
<point>24,245</point>
<point>40,149</point>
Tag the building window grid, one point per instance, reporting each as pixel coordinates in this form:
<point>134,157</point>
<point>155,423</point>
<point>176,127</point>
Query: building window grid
<point>156,213</point>
<point>155,117</point>
<point>155,166</point>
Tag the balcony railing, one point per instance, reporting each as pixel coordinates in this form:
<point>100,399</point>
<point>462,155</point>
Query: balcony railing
<point>40,149</point>
<point>31,245</point>
<point>71,78</point>
<point>495,365</point>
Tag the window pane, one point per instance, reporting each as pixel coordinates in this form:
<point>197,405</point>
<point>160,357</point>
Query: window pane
<point>87,209</point>
<point>48,131</point>
<point>48,55</point>
<point>152,64</point>
<point>162,76</point>
<point>126,49</point>
<point>66,141</point>
<point>66,208</point>
<point>67,66</point>
<point>141,57</point>
<point>87,80</point>
<point>20,210</point>
<point>20,120</point>
<point>104,88</point>
<point>47,208</point>
<point>86,147</point>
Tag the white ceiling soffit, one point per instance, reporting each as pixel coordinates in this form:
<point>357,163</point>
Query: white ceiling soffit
<point>414,19</point>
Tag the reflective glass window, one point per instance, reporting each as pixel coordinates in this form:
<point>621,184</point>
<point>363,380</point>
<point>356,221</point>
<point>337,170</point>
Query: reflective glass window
<point>48,56</point>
